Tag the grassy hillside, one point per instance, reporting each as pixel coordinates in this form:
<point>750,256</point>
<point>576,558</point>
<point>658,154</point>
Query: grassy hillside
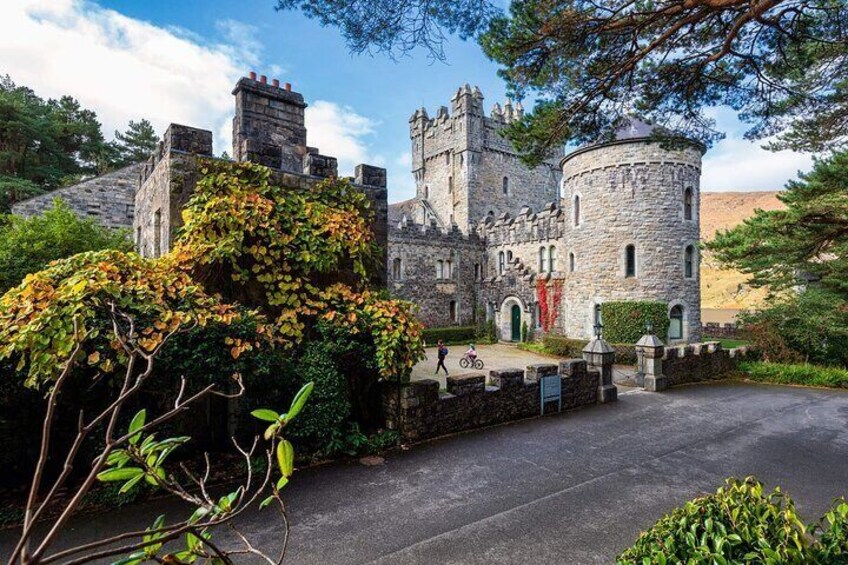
<point>722,210</point>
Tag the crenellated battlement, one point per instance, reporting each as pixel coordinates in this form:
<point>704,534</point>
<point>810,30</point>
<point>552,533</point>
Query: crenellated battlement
<point>699,362</point>
<point>526,227</point>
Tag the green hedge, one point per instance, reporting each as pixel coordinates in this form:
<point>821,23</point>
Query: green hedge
<point>457,334</point>
<point>624,321</point>
<point>625,353</point>
<point>742,523</point>
<point>809,375</point>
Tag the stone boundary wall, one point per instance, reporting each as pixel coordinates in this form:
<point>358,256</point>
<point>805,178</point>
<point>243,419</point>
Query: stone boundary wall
<point>423,412</point>
<point>727,331</point>
<point>701,362</point>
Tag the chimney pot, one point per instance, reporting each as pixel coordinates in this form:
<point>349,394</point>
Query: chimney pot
<point>263,79</point>
<point>288,86</point>
<point>276,83</point>
<point>252,75</point>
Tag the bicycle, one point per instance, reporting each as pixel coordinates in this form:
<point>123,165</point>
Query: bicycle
<point>468,361</point>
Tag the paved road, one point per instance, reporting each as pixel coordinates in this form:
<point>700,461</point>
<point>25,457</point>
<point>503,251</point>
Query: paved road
<point>574,488</point>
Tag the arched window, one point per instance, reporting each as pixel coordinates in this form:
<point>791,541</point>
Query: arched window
<point>509,257</point>
<point>506,185</point>
<point>552,258</point>
<point>501,263</point>
<point>572,262</point>
<point>477,275</point>
<point>448,269</point>
<point>538,315</point>
<point>576,209</point>
<point>630,261</point>
<point>440,269</point>
<point>687,204</point>
<point>453,312</point>
<point>426,191</point>
<point>675,326</point>
<point>689,262</point>
<point>543,260</point>
<point>450,184</point>
<point>396,269</point>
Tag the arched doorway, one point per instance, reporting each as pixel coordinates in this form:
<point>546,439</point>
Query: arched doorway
<point>515,323</point>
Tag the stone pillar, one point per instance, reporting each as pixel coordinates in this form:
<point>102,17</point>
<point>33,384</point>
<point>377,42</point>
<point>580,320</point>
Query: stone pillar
<point>600,355</point>
<point>651,350</point>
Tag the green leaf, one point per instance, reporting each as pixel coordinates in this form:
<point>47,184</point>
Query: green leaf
<point>265,414</point>
<point>285,457</point>
<point>136,424</point>
<point>130,484</point>
<point>121,474</point>
<point>266,502</point>
<point>299,400</point>
<point>282,482</point>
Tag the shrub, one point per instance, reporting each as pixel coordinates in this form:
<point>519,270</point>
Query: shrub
<point>624,321</point>
<point>809,375</point>
<point>811,326</point>
<point>27,245</point>
<point>738,524</point>
<point>459,334</point>
<point>625,354</point>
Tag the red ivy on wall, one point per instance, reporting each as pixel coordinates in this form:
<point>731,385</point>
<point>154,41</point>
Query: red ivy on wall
<point>549,302</point>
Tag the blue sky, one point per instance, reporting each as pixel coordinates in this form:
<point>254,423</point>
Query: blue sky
<point>176,61</point>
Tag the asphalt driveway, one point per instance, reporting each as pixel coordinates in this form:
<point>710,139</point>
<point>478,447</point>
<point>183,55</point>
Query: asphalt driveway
<point>573,488</point>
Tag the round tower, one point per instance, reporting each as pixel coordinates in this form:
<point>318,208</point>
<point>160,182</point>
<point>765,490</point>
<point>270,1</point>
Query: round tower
<point>633,228</point>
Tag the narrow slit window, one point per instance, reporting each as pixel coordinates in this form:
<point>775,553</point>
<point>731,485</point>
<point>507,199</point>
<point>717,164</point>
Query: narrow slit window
<point>630,261</point>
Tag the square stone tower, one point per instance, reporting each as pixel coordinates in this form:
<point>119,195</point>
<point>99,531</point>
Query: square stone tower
<point>465,169</point>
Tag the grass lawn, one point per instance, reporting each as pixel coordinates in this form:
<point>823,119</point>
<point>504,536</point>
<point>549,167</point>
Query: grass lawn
<point>728,343</point>
<point>786,374</point>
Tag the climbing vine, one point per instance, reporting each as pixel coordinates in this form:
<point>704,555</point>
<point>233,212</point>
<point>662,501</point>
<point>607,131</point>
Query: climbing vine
<point>549,302</point>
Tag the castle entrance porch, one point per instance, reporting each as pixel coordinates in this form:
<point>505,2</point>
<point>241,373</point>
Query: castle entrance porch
<point>511,318</point>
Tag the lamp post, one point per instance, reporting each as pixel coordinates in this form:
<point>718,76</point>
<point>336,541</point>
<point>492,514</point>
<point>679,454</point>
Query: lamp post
<point>598,353</point>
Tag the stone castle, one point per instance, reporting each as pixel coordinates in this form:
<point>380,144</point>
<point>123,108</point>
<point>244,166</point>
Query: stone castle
<point>617,220</point>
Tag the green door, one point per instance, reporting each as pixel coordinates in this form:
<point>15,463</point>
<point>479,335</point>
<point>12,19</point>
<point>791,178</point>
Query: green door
<point>516,323</point>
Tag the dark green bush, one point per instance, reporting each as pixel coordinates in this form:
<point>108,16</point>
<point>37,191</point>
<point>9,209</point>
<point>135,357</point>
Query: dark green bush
<point>625,354</point>
<point>809,375</point>
<point>741,524</point>
<point>452,335</point>
<point>624,321</point>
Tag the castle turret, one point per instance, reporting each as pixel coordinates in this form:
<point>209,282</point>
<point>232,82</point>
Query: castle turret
<point>269,126</point>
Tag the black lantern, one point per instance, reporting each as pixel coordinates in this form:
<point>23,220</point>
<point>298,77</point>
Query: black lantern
<point>599,328</point>
<point>649,326</point>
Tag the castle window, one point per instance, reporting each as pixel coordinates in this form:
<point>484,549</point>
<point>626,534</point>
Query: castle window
<point>454,315</point>
<point>447,158</point>
<point>461,159</point>
<point>689,261</point>
<point>426,191</point>
<point>630,261</point>
<point>506,185</point>
<point>552,258</point>
<point>572,262</point>
<point>687,204</point>
<point>543,260</point>
<point>509,257</point>
<point>396,269</point>
<point>440,269</point>
<point>450,184</point>
<point>477,276</point>
<point>576,209</point>
<point>157,233</point>
<point>675,326</point>
<point>538,315</point>
<point>448,270</point>
<point>501,265</point>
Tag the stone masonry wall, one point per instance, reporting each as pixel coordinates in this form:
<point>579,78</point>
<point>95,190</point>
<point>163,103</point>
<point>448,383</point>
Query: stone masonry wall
<point>109,199</point>
<point>419,248</point>
<point>701,362</point>
<point>419,411</point>
<point>631,193</point>
<point>460,160</point>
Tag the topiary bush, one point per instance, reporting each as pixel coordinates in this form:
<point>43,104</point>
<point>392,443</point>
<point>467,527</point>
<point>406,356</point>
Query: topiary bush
<point>624,321</point>
<point>741,524</point>
<point>460,334</point>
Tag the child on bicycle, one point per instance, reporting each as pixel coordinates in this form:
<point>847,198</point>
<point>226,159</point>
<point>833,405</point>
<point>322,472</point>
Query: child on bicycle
<point>472,352</point>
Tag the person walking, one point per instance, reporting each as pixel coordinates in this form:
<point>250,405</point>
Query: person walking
<point>443,352</point>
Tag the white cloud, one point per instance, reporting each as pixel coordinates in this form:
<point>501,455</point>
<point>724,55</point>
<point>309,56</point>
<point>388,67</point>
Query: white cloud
<point>736,164</point>
<point>342,133</point>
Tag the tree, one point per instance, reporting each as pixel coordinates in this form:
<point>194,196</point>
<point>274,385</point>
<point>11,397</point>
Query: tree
<point>780,64</point>
<point>806,241</point>
<point>15,189</point>
<point>136,144</point>
<point>27,245</point>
